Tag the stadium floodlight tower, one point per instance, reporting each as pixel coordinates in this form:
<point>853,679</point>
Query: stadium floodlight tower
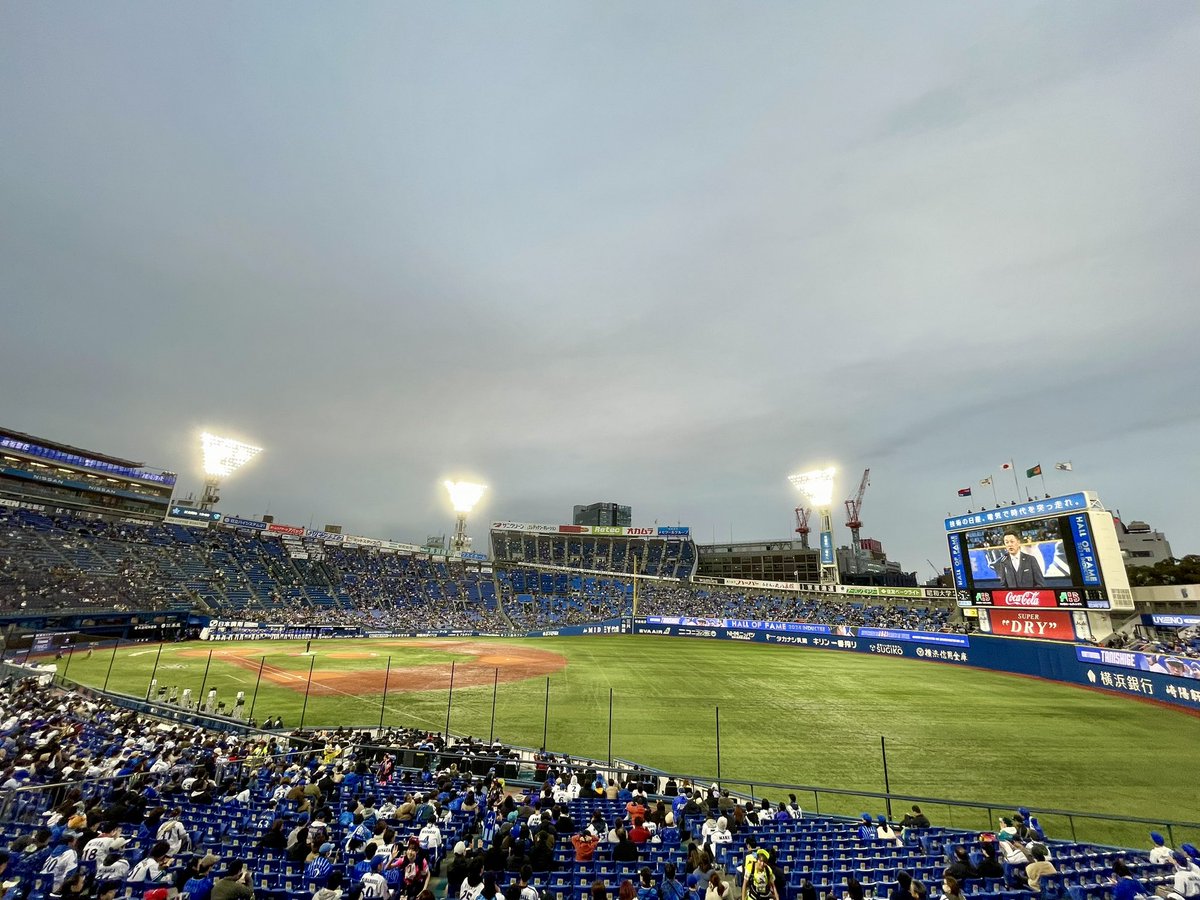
<point>463,497</point>
<point>817,486</point>
<point>222,457</point>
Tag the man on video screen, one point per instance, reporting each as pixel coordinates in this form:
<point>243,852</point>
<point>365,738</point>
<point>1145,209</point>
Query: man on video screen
<point>1017,569</point>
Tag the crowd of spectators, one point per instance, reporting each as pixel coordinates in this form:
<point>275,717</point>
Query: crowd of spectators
<point>68,561</point>
<point>99,801</point>
<point>664,558</point>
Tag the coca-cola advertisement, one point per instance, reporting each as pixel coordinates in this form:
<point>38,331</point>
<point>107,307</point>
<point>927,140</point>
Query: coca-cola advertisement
<point>1024,599</point>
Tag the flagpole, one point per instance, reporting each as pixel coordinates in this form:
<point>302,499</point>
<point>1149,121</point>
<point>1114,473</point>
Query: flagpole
<point>1013,466</point>
<point>1042,475</point>
<point>995,496</point>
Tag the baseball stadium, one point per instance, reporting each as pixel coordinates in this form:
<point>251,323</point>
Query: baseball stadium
<point>436,439</point>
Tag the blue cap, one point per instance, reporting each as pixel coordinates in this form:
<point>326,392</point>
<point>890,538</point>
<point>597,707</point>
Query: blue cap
<point>1157,838</point>
<point>882,820</point>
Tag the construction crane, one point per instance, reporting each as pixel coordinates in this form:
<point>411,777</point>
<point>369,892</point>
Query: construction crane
<point>802,528</point>
<point>853,508</point>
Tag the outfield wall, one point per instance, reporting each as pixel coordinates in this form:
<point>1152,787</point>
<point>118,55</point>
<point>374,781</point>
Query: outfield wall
<point>1119,671</point>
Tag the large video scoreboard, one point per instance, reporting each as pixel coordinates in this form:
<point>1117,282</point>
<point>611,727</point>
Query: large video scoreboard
<point>1055,553</point>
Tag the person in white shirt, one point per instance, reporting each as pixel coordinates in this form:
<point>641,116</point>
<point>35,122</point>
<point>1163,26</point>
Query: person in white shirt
<point>1160,853</point>
<point>173,833</point>
<point>95,850</point>
<point>374,885</point>
<point>1187,876</point>
<point>720,835</point>
<point>431,839</point>
<point>112,868</point>
<point>152,865</point>
<point>885,832</point>
<point>61,866</point>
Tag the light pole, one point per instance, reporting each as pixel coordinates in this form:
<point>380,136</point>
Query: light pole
<point>817,486</point>
<point>463,497</point>
<point>222,457</point>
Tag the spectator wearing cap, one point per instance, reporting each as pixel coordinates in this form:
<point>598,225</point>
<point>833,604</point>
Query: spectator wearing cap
<point>200,885</point>
<point>760,879</point>
<point>885,832</point>
<point>866,827</point>
<point>234,884</point>
<point>374,885</point>
<point>695,891</point>
<point>1160,853</point>
<point>1187,876</point>
<point>457,866</point>
<point>318,869</point>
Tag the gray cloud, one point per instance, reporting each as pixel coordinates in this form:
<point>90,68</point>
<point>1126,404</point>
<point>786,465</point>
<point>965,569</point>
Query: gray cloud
<point>664,255</point>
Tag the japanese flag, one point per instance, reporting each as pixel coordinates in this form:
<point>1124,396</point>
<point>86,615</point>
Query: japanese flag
<point>1006,467</point>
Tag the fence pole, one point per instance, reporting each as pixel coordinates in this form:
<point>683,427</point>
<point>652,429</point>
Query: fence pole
<point>253,700</point>
<point>112,659</point>
<point>154,671</point>
<point>717,710</point>
<point>887,789</point>
<point>449,702</point>
<point>610,704</point>
<point>67,667</point>
<point>383,703</point>
<point>307,686</point>
<point>495,685</point>
<point>546,717</point>
<point>204,681</point>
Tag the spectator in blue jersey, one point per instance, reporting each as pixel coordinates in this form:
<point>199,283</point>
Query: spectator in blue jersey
<point>866,828</point>
<point>1125,886</point>
<point>199,886</point>
<point>366,864</point>
<point>317,871</point>
<point>358,833</point>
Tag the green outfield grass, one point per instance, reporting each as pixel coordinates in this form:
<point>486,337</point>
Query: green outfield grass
<point>786,715</point>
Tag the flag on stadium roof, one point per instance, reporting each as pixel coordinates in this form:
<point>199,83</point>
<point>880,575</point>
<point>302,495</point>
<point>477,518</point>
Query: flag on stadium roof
<point>1006,467</point>
<point>964,492</point>
<point>986,481</point>
<point>1063,466</point>
<point>1034,472</point>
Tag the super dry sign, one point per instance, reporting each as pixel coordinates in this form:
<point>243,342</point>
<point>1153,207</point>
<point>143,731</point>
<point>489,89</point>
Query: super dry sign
<point>1049,625</point>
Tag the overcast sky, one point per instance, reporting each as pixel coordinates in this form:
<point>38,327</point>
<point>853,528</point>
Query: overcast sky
<point>658,253</point>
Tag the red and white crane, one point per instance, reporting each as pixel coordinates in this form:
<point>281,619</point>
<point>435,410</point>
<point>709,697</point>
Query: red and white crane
<point>853,508</point>
<point>802,528</point>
